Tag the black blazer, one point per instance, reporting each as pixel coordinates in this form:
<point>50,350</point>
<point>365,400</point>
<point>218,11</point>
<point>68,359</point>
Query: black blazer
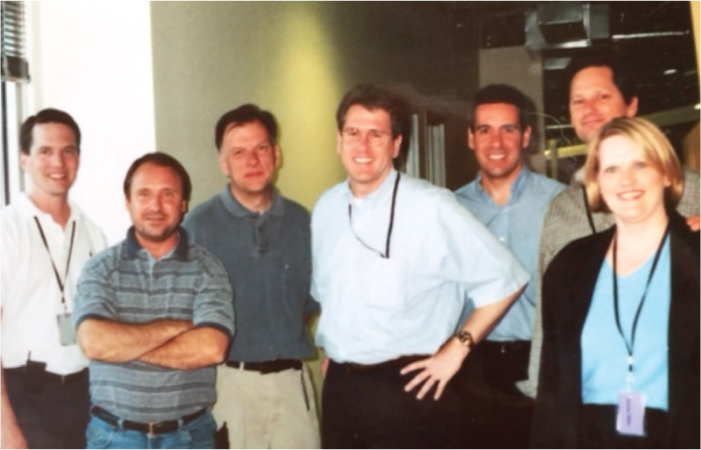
<point>568,285</point>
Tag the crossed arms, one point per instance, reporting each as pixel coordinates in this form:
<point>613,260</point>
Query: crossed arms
<point>171,343</point>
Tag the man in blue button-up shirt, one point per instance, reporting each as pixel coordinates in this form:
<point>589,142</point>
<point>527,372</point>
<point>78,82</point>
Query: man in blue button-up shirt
<point>392,259</point>
<point>511,201</point>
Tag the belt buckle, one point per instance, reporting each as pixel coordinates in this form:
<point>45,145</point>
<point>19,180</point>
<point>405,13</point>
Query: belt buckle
<point>151,429</point>
<point>64,378</point>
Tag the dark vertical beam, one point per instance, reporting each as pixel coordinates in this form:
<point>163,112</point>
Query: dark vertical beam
<point>5,148</point>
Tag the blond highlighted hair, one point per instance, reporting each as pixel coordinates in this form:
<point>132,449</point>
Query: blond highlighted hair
<point>658,152</point>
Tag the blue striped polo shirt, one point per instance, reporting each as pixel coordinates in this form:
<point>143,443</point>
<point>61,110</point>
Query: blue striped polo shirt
<point>122,285</point>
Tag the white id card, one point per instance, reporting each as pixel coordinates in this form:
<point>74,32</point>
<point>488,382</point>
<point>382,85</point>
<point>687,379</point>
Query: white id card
<point>65,329</point>
<point>630,419</point>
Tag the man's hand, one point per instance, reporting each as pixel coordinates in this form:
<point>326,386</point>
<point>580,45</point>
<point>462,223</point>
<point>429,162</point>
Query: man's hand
<point>439,368</point>
<point>12,436</point>
<point>694,223</point>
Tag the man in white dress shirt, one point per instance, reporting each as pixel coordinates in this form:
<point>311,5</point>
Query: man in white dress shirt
<point>45,239</point>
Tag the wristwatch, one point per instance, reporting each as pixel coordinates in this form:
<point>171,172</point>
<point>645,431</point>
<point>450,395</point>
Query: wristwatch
<point>465,339</point>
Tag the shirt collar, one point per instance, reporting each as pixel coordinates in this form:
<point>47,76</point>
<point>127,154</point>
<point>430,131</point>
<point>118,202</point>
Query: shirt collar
<point>28,209</point>
<point>180,251</point>
<point>517,187</point>
<point>374,198</point>
<point>520,183</point>
<point>237,209</point>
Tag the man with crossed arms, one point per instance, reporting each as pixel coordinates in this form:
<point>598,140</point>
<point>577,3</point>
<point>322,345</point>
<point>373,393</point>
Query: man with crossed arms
<point>154,314</point>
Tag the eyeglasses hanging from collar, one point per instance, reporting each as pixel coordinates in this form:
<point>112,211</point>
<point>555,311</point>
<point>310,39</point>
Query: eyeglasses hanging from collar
<point>260,238</point>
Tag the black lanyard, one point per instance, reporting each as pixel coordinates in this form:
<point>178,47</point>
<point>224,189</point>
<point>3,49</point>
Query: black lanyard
<point>590,218</point>
<point>61,285</point>
<point>642,300</point>
<point>391,222</point>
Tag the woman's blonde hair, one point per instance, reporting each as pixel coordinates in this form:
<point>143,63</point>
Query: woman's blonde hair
<point>658,152</point>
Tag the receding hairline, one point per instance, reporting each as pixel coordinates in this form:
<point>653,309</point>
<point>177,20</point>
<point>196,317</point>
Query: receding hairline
<point>369,108</point>
<point>233,125</point>
<point>42,124</point>
<point>516,110</point>
<point>612,78</point>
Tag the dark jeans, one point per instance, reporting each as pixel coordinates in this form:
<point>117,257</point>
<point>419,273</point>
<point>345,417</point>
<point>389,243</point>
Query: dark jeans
<point>369,409</point>
<point>54,418</point>
<point>597,429</point>
<point>495,413</point>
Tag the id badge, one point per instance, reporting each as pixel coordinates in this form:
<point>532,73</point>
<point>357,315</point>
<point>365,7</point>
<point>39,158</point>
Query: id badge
<point>65,329</point>
<point>630,419</point>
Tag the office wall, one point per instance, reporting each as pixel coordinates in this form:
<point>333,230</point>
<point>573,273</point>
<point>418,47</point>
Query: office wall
<point>296,59</point>
<point>93,60</point>
<point>293,58</point>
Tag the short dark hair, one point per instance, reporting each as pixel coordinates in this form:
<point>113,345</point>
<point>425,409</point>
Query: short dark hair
<point>48,115</point>
<point>374,97</point>
<point>244,114</point>
<point>503,93</point>
<point>620,74</point>
<point>162,160</point>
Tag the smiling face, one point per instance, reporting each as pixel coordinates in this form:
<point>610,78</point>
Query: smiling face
<point>367,148</point>
<point>595,100</point>
<point>52,162</point>
<point>248,159</point>
<point>155,203</point>
<point>497,140</point>
<point>631,186</point>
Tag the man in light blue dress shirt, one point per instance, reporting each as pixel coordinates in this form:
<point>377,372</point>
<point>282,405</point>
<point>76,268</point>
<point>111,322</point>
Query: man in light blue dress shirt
<point>393,258</point>
<point>511,201</point>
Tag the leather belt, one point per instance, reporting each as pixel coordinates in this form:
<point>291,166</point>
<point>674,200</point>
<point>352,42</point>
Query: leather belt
<point>402,361</point>
<point>264,367</point>
<point>48,377</point>
<point>505,347</point>
<point>167,426</point>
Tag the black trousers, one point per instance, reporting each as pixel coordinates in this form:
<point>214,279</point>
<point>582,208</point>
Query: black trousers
<point>597,429</point>
<point>495,413</point>
<point>369,409</point>
<point>56,417</point>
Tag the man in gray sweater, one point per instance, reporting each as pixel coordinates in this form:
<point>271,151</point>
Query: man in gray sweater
<point>264,392</point>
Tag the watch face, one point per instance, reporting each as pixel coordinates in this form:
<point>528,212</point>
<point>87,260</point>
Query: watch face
<point>465,338</point>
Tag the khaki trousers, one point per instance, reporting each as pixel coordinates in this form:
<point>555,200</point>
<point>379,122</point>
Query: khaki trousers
<point>275,410</point>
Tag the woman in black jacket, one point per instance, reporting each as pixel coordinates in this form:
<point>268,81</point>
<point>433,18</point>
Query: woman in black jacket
<point>620,360</point>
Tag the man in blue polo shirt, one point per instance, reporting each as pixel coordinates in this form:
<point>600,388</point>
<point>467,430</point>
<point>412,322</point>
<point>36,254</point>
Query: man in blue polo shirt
<point>153,314</point>
<point>264,391</point>
<point>511,201</point>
